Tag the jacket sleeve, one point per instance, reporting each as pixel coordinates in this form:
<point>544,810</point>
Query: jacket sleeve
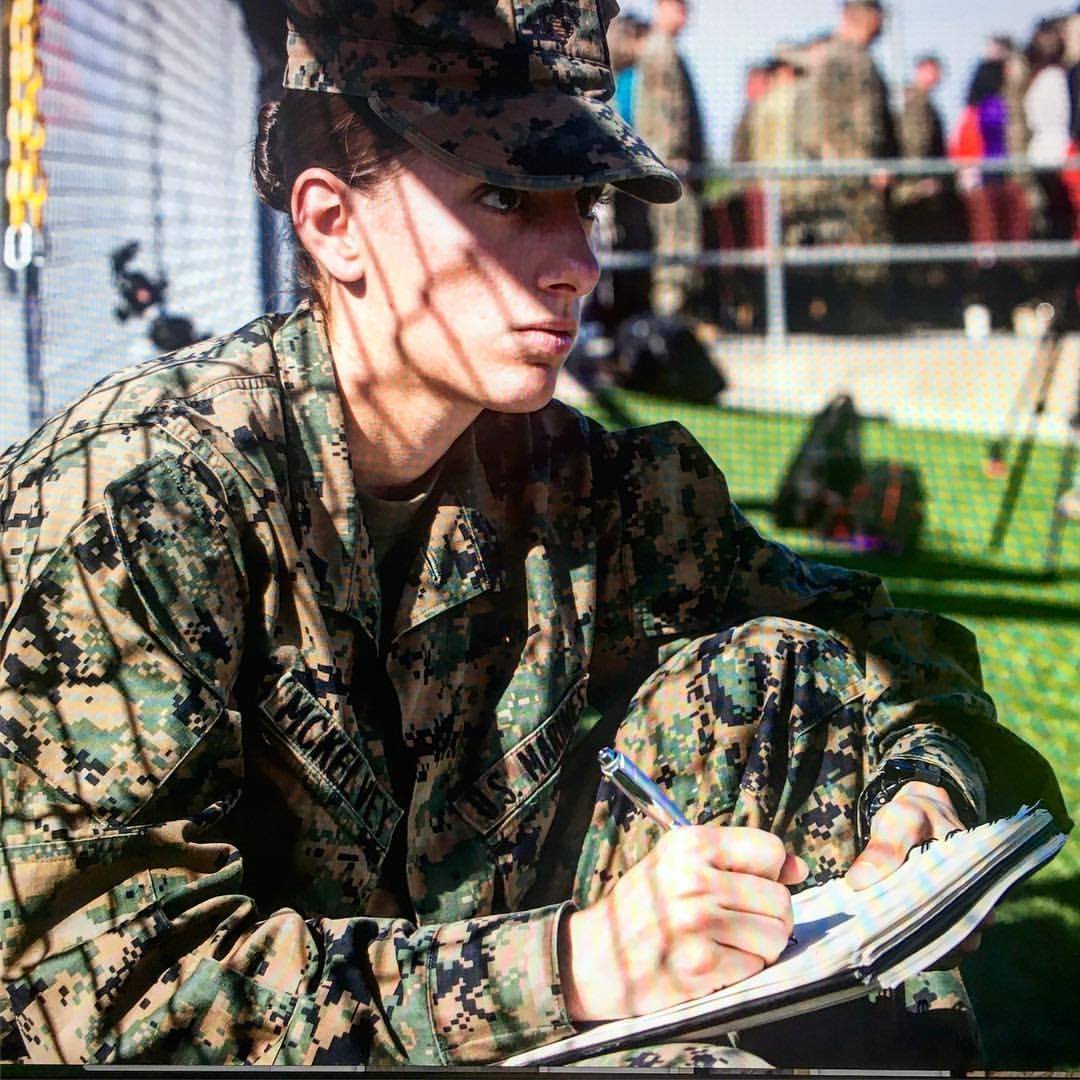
<point>687,562</point>
<point>925,700</point>
<point>127,934</point>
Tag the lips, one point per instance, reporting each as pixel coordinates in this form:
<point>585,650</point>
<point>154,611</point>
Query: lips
<point>555,326</point>
<point>548,339</point>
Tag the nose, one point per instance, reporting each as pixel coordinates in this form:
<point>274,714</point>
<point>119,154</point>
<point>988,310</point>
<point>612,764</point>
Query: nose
<point>568,264</point>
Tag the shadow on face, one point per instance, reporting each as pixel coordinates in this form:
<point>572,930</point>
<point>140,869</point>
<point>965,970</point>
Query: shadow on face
<point>457,295</point>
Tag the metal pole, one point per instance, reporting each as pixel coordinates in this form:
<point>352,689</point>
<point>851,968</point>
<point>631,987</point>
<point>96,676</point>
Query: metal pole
<point>32,344</point>
<point>1066,478</point>
<point>157,124</point>
<point>775,288</point>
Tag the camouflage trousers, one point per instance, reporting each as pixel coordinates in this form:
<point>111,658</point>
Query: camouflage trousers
<point>762,725</point>
<point>846,214</point>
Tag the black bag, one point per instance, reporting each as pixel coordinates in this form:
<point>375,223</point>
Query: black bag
<point>887,508</point>
<point>820,478</point>
<point>664,356</point>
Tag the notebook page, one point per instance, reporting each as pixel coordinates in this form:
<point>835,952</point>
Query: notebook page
<point>840,930</point>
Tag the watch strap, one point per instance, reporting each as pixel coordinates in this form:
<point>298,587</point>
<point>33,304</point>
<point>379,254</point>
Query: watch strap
<point>893,776</point>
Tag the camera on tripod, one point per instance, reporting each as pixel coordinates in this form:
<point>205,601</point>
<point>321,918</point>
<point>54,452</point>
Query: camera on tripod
<point>139,293</point>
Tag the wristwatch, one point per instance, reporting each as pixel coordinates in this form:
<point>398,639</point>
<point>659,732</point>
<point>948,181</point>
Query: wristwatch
<point>894,775</point>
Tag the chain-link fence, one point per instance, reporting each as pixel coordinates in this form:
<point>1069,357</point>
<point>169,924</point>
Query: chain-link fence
<point>149,110</point>
<point>968,393</point>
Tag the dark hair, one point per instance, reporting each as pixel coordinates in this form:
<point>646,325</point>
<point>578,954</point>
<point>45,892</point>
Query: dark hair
<point>633,24</point>
<point>336,132</point>
<point>1047,47</point>
<point>988,81</point>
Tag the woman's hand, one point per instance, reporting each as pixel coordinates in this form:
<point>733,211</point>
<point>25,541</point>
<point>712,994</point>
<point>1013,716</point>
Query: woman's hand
<point>705,908</point>
<point>917,813</point>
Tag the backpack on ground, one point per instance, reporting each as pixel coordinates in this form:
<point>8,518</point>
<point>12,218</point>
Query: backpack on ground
<point>822,474</point>
<point>828,489</point>
<point>663,355</point>
<point>888,508</point>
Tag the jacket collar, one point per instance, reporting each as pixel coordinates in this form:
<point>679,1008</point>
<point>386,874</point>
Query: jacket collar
<point>461,556</point>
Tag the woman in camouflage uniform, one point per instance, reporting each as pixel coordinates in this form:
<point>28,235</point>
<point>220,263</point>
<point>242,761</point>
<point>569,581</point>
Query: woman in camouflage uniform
<point>311,633</point>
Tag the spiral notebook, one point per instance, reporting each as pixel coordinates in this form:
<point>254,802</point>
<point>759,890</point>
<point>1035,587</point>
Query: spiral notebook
<point>847,944</point>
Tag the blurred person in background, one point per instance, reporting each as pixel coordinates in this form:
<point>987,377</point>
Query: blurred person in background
<point>1047,112</point>
<point>744,290</point>
<point>925,208</point>
<point>851,120</point>
<point>814,299</point>
<point>984,128</point>
<point>626,39</point>
<point>996,91</point>
<point>752,232</point>
<point>668,117</point>
<point>920,131</point>
<point>755,85</point>
<point>996,203</point>
<point>1070,33</point>
<point>773,134</point>
<point>623,223</point>
<point>1071,176</point>
<point>849,104</point>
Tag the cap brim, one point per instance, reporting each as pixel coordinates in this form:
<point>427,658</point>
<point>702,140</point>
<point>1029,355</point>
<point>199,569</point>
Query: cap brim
<point>540,140</point>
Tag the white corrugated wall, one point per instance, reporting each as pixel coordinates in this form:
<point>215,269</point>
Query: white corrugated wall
<point>149,108</point>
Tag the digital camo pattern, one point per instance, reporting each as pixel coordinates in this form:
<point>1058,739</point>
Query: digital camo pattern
<point>765,725</point>
<point>196,783</point>
<point>515,93</point>
<point>921,134</point>
<point>853,118</point>
<point>667,117</point>
<point>848,118</point>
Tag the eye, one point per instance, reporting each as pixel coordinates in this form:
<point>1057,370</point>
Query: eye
<point>589,198</point>
<point>501,199</point>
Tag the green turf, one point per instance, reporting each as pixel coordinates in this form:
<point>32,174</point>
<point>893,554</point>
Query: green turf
<point>1026,979</point>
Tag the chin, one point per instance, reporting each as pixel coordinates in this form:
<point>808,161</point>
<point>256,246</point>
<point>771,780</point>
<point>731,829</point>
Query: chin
<point>526,396</point>
<point>522,405</point>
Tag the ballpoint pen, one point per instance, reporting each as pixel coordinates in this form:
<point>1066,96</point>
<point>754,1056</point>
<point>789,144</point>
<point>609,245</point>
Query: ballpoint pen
<point>639,789</point>
<point>644,794</point>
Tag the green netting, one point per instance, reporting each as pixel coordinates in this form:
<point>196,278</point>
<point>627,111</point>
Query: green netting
<point>1028,627</point>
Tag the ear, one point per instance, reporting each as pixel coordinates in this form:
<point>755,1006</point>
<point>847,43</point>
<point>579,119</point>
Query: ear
<point>325,221</point>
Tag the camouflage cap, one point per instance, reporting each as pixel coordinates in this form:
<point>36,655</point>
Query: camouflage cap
<point>513,91</point>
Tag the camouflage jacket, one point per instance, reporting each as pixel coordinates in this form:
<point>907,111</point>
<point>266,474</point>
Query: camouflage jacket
<point>921,135</point>
<point>666,111</point>
<point>921,132</point>
<point>851,114</point>
<point>196,794</point>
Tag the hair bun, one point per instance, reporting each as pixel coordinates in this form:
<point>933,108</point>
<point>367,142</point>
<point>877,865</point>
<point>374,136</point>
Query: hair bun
<point>267,162</point>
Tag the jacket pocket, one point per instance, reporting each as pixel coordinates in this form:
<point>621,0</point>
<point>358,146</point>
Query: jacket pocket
<point>512,803</point>
<point>60,894</point>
